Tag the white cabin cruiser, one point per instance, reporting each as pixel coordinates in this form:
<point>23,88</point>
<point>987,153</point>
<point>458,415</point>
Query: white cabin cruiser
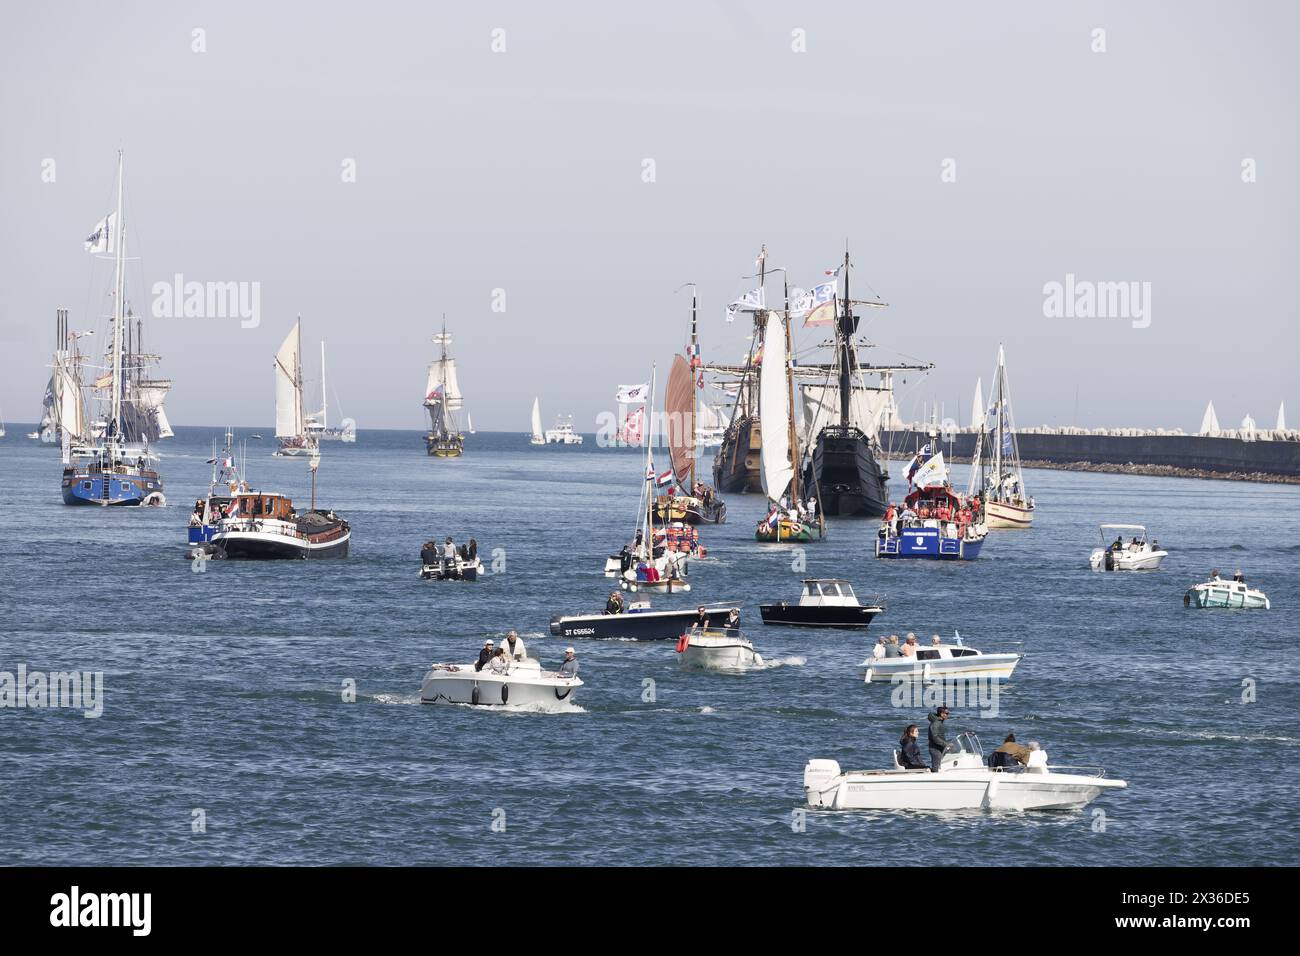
<point>962,783</point>
<point>525,684</point>
<point>1217,592</point>
<point>941,662</point>
<point>1137,554</point>
<point>713,648</point>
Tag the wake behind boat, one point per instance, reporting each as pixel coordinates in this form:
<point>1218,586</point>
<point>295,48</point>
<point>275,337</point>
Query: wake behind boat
<point>962,783</point>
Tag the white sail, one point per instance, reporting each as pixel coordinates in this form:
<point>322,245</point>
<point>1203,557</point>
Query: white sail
<point>1281,417</point>
<point>433,382</point>
<point>1210,422</point>
<point>71,410</point>
<point>868,408</point>
<point>537,420</point>
<point>774,411</point>
<point>288,386</point>
<point>454,399</point>
<point>977,406</point>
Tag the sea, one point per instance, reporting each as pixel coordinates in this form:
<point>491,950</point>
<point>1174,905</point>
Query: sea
<point>269,713</point>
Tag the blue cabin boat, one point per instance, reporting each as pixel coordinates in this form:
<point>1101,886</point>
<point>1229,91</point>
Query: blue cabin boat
<point>928,543</point>
<point>936,524</point>
<point>111,480</point>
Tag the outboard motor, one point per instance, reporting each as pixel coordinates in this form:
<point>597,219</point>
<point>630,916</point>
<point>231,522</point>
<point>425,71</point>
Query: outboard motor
<point>817,777</point>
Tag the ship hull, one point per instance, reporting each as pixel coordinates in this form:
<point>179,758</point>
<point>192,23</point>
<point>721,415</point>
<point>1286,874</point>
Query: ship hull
<point>1003,515</point>
<point>738,459</point>
<point>272,546</point>
<point>845,476</point>
<point>84,488</point>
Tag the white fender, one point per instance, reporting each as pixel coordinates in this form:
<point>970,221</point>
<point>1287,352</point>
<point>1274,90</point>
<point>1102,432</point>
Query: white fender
<point>991,792</point>
<point>925,672</point>
<point>867,678</point>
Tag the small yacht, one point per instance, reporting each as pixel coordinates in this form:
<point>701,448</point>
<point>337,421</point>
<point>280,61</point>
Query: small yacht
<point>711,648</point>
<point>563,433</point>
<point>941,662</point>
<point>1217,592</point>
<point>525,684</point>
<point>1137,554</point>
<point>461,565</point>
<point>637,623</point>
<point>962,783</point>
<point>825,602</point>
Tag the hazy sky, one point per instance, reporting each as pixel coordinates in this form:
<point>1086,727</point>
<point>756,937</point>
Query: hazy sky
<point>523,170</point>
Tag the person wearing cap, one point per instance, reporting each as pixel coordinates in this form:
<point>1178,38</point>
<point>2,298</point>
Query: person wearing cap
<point>514,647</point>
<point>937,740</point>
<point>484,655</point>
<point>569,666</point>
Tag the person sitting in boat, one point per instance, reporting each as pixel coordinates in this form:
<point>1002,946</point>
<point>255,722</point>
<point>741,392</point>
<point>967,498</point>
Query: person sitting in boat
<point>733,618</point>
<point>1009,754</point>
<point>514,647</point>
<point>499,663</point>
<point>909,751</point>
<point>196,516</point>
<point>878,652</point>
<point>935,640</point>
<point>1214,576</point>
<point>892,649</point>
<point>1119,543</point>
<point>615,603</point>
<point>1239,577</point>
<point>569,666</point>
<point>484,655</point>
<point>909,646</point>
<point>429,553</point>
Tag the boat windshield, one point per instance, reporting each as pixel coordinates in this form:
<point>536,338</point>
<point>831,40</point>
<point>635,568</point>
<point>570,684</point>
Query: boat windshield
<point>967,743</point>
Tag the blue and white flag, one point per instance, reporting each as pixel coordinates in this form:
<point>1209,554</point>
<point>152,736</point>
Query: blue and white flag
<point>821,310</point>
<point>933,474</point>
<point>749,302</point>
<point>102,239</point>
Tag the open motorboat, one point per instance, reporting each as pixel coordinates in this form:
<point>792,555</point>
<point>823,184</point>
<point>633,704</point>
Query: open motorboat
<point>941,662</point>
<point>1138,554</point>
<point>525,684</point>
<point>825,602</point>
<point>637,623</point>
<point>463,564</point>
<point>1217,592</point>
<point>962,783</point>
<point>712,648</point>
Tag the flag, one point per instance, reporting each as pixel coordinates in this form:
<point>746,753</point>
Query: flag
<point>665,479</point>
<point>102,239</point>
<point>821,305</point>
<point>631,394</point>
<point>917,460</point>
<point>631,430</point>
<point>933,474</point>
<point>801,303</point>
<point>436,393</point>
<point>233,509</point>
<point>748,302</point>
<point>762,257</point>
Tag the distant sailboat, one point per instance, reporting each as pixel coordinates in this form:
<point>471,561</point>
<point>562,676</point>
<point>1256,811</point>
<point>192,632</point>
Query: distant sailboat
<point>1209,422</point>
<point>537,438</point>
<point>470,420</point>
<point>290,423</point>
<point>1006,503</point>
<point>317,423</point>
<point>442,399</point>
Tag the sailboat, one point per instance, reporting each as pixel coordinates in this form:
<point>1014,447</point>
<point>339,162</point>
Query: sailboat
<point>736,463</point>
<point>694,502</point>
<point>317,423</point>
<point>538,438</point>
<point>290,423</point>
<point>645,564</point>
<point>442,399</point>
<point>1006,503</point>
<point>786,521</point>
<point>469,419</point>
<point>106,470</point>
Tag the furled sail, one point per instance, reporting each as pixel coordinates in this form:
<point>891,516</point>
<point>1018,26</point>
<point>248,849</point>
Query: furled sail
<point>288,386</point>
<point>774,411</point>
<point>679,410</point>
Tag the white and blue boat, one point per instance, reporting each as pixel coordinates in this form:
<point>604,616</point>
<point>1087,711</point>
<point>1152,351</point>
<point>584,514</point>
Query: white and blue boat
<point>104,470</point>
<point>934,522</point>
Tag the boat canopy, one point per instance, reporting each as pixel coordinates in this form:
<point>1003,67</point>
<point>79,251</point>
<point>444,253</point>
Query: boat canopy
<point>1123,527</point>
<point>931,494</point>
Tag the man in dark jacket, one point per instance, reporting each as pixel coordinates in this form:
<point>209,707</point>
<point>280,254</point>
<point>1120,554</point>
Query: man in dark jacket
<point>909,750</point>
<point>938,742</point>
<point>484,655</point>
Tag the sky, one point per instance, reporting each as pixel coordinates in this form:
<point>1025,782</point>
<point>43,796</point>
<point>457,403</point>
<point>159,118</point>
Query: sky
<point>968,155</point>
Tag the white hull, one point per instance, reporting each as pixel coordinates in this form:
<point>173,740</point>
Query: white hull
<point>1127,560</point>
<point>527,686</point>
<point>279,544</point>
<point>956,789</point>
<point>981,666</point>
<point>1004,516</point>
<point>718,652</point>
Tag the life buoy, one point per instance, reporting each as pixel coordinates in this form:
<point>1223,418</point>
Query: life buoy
<point>682,643</point>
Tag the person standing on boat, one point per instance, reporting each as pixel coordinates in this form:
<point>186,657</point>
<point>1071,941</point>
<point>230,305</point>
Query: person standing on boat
<point>615,603</point>
<point>514,647</point>
<point>1214,576</point>
<point>909,750</point>
<point>937,740</point>
<point>484,655</point>
<point>569,666</point>
<point>878,652</point>
<point>892,649</point>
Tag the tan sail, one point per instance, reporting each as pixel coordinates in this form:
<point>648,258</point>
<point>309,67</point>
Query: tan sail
<point>679,409</point>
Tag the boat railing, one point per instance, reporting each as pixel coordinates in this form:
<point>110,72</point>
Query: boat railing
<point>711,631</point>
<point>1082,771</point>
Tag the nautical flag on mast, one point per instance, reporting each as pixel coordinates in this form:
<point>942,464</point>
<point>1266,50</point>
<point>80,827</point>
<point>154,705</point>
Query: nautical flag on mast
<point>665,479</point>
<point>917,461</point>
<point>748,302</point>
<point>933,474</point>
<point>821,305</point>
<point>102,239</point>
<point>234,508</point>
<point>631,394</point>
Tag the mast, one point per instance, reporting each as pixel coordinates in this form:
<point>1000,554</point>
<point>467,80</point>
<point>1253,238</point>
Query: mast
<point>695,356</point>
<point>297,378</point>
<point>845,324</point>
<point>119,316</point>
<point>997,443</point>
<point>649,486</point>
<point>442,373</point>
<point>324,401</point>
<point>795,457</point>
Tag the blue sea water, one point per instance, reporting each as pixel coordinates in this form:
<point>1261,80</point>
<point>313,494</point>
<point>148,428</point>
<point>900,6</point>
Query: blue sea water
<point>224,690</point>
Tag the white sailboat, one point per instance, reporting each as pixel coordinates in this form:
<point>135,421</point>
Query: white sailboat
<point>780,453</point>
<point>469,420</point>
<point>442,399</point>
<point>317,423</point>
<point>1007,505</point>
<point>538,438</point>
<point>290,423</point>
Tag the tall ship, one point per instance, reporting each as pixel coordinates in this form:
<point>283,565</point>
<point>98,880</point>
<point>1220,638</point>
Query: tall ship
<point>996,473</point>
<point>844,416</point>
<point>290,422</point>
<point>737,464</point>
<point>442,399</point>
<point>109,462</point>
<point>317,424</point>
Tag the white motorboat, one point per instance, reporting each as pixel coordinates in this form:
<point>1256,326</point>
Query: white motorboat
<point>962,783</point>
<point>940,662</point>
<point>825,602</point>
<point>459,568</point>
<point>1139,553</point>
<point>563,433</point>
<point>717,649</point>
<point>525,684</point>
<point>1217,592</point>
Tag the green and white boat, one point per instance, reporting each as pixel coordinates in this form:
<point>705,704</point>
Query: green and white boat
<point>1217,592</point>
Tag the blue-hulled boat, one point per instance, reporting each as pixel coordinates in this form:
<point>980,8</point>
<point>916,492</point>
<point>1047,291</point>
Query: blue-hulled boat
<point>934,522</point>
<point>108,475</point>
